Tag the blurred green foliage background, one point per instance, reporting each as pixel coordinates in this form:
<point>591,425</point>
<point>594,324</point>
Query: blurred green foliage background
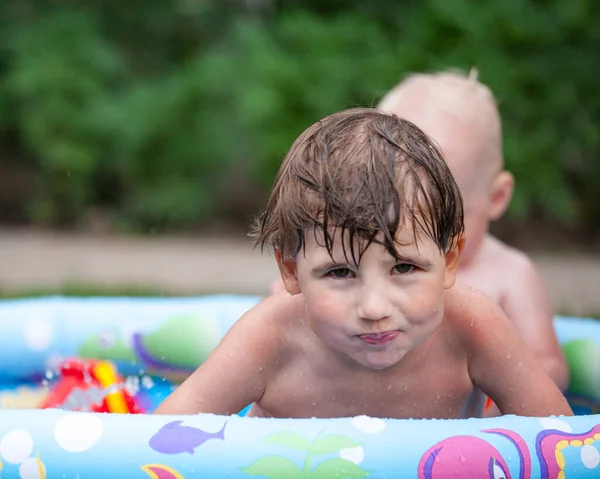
<point>171,115</point>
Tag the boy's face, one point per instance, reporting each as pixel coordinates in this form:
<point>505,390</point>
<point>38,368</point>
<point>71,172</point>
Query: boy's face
<point>375,312</point>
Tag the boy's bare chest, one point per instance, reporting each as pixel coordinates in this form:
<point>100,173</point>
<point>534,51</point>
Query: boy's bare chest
<point>426,392</point>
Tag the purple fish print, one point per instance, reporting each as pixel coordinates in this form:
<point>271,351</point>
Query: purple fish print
<point>173,438</point>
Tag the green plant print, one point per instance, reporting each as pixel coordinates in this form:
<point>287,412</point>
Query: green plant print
<point>274,467</point>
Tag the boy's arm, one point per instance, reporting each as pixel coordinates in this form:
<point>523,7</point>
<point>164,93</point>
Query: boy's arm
<point>501,365</point>
<point>235,374</point>
<point>528,306</point>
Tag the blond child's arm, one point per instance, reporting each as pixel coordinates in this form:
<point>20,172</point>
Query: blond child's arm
<point>527,305</point>
<point>501,365</point>
<point>235,374</point>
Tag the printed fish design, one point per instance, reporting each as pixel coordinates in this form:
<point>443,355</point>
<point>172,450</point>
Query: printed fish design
<point>173,438</point>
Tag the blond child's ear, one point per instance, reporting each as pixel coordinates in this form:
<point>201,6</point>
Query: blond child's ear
<point>287,269</point>
<point>501,194</point>
<point>452,257</point>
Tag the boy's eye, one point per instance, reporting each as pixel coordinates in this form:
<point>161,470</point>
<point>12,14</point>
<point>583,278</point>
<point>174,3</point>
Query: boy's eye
<point>340,273</point>
<point>404,268</point>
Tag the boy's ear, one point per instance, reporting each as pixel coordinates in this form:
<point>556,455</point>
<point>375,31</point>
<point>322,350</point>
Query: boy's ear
<point>501,194</point>
<point>452,260</point>
<point>287,269</point>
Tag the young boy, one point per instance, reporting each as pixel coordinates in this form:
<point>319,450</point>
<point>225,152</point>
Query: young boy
<point>366,222</point>
<point>460,114</point>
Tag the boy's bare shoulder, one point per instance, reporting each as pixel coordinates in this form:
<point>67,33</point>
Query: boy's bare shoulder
<point>467,310</point>
<point>462,298</point>
<point>278,311</point>
<point>274,322</point>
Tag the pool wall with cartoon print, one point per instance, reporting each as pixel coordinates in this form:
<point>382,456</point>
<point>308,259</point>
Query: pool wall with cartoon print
<point>36,334</point>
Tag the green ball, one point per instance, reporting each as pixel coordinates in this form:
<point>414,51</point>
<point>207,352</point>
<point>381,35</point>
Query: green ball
<point>583,358</point>
<point>183,341</point>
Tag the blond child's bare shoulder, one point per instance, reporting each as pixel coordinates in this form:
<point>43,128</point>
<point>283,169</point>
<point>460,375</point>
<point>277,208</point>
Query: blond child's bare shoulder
<point>507,259</point>
<point>506,274</point>
<point>520,286</point>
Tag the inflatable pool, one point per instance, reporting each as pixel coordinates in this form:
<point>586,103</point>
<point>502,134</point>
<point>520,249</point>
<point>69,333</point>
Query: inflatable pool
<point>151,339</point>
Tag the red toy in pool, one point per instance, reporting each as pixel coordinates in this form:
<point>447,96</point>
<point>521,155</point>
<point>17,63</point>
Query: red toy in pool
<point>91,386</point>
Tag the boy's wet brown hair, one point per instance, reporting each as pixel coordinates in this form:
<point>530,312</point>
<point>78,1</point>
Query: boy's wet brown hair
<point>362,172</point>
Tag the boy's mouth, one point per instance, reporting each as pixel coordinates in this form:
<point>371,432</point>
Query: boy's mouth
<point>379,338</point>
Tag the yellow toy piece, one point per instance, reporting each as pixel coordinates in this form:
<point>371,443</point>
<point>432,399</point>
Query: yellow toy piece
<point>106,375</point>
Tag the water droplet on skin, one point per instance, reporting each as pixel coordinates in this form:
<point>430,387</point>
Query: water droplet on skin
<point>306,388</point>
<point>260,368</point>
<point>523,405</point>
<point>508,356</point>
<point>389,387</point>
<point>314,403</point>
<point>462,458</point>
<point>405,387</point>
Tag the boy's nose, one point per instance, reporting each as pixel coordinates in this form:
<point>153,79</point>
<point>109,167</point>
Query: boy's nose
<point>374,304</point>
